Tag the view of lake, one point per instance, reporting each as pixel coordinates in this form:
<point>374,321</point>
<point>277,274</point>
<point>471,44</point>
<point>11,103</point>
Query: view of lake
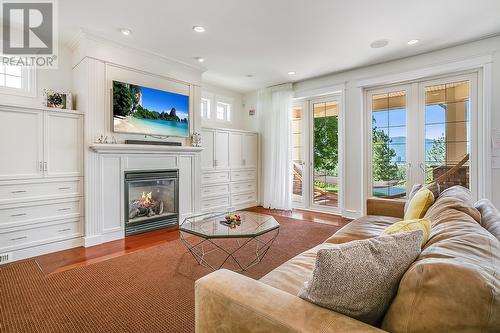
<point>399,146</point>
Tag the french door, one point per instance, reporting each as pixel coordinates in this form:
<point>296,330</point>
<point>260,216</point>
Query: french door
<point>422,132</point>
<point>316,149</point>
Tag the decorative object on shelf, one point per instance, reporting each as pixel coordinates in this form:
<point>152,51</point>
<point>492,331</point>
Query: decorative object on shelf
<point>102,139</point>
<point>196,139</point>
<point>251,112</point>
<point>58,99</point>
<point>113,140</point>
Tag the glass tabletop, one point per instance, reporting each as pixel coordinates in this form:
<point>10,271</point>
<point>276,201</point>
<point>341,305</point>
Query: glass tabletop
<point>211,225</point>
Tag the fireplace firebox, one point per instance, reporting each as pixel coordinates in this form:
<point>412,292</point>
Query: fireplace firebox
<point>151,200</point>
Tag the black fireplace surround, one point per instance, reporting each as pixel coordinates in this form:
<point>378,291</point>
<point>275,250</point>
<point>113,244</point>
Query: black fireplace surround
<point>151,200</point>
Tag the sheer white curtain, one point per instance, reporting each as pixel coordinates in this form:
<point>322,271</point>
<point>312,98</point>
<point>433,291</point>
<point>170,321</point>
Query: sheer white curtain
<point>275,104</point>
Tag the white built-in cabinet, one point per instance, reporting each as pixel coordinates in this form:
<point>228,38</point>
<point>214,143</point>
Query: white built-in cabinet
<point>41,185</point>
<point>229,169</point>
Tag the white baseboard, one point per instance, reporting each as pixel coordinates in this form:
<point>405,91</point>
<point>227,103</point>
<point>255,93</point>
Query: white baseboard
<point>46,248</point>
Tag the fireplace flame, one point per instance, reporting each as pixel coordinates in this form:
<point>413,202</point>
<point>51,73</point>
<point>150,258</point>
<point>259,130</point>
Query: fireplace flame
<point>147,198</point>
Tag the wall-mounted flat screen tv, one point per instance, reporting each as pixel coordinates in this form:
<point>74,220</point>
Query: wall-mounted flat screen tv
<point>142,110</point>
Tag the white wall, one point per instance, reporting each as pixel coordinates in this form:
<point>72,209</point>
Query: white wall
<point>239,114</point>
<point>59,78</point>
<point>250,103</point>
<point>353,146</point>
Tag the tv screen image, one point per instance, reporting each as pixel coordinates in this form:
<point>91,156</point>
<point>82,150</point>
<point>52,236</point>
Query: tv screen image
<point>149,111</point>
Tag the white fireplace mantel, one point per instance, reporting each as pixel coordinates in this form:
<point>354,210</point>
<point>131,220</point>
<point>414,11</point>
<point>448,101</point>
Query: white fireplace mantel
<point>107,148</point>
<point>105,219</point>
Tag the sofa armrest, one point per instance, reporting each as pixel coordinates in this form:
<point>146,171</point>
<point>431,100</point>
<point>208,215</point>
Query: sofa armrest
<point>385,207</point>
<point>229,302</point>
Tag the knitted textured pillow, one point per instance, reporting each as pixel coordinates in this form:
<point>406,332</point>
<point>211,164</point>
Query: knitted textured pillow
<point>360,278</point>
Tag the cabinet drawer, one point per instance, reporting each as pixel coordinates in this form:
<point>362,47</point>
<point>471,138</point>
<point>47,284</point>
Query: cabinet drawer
<point>243,175</point>
<point>243,187</point>
<point>39,211</point>
<point>215,177</point>
<point>209,191</point>
<point>215,203</point>
<point>40,234</point>
<point>39,191</point>
<point>243,198</point>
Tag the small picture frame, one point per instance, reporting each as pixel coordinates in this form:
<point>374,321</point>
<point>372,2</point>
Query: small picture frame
<point>58,99</point>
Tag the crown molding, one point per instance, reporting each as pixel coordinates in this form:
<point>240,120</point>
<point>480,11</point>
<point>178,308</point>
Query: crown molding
<point>82,37</point>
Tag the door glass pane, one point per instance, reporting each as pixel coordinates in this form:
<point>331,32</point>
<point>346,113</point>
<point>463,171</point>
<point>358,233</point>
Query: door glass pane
<point>447,136</point>
<point>325,153</point>
<point>298,162</point>
<point>389,144</point>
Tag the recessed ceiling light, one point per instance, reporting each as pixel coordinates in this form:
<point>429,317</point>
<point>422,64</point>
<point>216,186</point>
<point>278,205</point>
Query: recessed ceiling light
<point>413,41</point>
<point>379,43</point>
<point>198,28</point>
<point>126,32</point>
<point>291,73</point>
<point>200,59</point>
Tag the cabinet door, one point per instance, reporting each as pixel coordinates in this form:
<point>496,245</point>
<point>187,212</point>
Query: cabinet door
<point>63,144</point>
<point>235,153</point>
<point>208,152</point>
<point>221,150</point>
<point>21,144</point>
<point>250,149</point>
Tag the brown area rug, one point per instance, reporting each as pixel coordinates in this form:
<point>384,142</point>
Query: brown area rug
<point>150,290</point>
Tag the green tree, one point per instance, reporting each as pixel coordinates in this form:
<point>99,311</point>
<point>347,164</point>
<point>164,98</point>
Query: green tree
<point>383,168</point>
<point>326,146</point>
<point>437,153</point>
<point>122,99</point>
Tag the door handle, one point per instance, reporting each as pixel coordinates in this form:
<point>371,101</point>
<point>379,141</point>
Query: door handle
<point>422,168</point>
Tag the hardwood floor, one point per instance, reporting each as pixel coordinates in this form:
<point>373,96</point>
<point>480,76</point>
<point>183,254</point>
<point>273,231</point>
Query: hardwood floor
<point>81,256</point>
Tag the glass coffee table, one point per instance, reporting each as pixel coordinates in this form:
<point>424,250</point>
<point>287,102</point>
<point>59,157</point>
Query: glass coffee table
<point>242,246</point>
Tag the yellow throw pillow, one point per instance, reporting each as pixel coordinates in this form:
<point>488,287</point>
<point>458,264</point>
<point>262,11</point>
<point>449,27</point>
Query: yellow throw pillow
<point>411,225</point>
<point>419,204</point>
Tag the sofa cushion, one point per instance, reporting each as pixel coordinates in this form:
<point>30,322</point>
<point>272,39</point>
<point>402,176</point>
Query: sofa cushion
<point>362,228</point>
<point>490,217</point>
<point>411,225</point>
<point>458,192</point>
<point>419,204</point>
<point>454,284</point>
<point>291,275</point>
<point>359,278</point>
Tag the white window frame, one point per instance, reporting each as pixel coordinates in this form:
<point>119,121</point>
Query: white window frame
<point>226,113</point>
<point>205,108</point>
<point>28,84</point>
<point>479,69</point>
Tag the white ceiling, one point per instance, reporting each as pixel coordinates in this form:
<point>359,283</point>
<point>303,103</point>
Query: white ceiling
<point>269,38</point>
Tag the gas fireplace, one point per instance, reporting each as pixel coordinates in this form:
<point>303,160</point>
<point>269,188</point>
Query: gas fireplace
<point>151,200</point>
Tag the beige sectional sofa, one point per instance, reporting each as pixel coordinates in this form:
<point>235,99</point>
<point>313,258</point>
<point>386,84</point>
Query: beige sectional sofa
<point>454,285</point>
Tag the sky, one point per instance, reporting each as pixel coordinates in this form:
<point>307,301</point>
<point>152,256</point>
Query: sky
<point>393,122</point>
<point>163,101</point>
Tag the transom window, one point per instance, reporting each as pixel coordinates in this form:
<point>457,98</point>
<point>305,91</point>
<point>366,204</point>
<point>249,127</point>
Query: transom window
<point>223,111</point>
<point>11,77</point>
